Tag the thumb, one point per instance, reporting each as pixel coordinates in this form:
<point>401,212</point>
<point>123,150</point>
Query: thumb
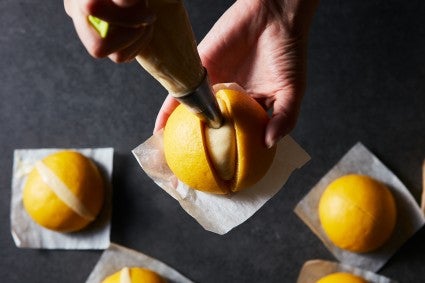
<point>168,106</point>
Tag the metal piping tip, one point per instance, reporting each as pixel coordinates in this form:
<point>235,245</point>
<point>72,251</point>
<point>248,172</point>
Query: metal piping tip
<point>203,103</point>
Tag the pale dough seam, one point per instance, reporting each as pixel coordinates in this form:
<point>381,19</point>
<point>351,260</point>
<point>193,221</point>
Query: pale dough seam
<point>125,275</point>
<point>62,191</point>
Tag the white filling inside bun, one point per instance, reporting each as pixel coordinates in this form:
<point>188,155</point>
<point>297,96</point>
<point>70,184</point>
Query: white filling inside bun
<point>221,146</point>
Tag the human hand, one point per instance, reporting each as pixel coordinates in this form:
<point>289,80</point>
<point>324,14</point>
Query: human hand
<point>261,45</point>
<point>130,27</point>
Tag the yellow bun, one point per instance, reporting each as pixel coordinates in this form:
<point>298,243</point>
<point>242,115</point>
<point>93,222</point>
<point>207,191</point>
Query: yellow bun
<point>223,160</point>
<point>134,275</point>
<point>341,277</point>
<point>64,192</point>
<point>357,213</point>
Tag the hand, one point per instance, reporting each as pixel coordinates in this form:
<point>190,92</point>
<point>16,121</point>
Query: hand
<point>129,31</point>
<point>261,45</point>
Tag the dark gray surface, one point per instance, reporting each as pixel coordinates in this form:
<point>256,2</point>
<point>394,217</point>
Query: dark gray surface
<point>366,83</point>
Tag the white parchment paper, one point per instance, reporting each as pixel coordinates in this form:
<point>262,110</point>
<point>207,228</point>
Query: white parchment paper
<point>313,270</point>
<point>221,213</point>
<point>28,234</point>
<point>117,257</point>
<point>409,216</point>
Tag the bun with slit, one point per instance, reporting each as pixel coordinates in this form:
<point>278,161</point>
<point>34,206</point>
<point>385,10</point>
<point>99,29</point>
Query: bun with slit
<point>220,161</point>
<point>64,191</point>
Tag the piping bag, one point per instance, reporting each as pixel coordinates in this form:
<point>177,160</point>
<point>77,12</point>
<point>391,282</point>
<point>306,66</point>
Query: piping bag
<point>172,59</point>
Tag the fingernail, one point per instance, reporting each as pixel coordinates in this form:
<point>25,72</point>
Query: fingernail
<point>272,141</point>
<point>125,3</point>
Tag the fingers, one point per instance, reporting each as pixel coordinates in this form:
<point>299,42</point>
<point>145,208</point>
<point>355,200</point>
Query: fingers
<point>285,114</point>
<point>68,6</point>
<point>170,103</point>
<point>130,28</point>
<point>126,13</point>
<point>283,120</point>
<point>117,39</point>
<point>130,51</point>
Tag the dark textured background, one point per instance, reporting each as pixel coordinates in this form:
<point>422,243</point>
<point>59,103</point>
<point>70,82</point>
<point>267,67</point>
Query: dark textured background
<point>366,82</point>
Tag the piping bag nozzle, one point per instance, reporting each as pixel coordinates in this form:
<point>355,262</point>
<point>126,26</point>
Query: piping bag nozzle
<point>203,103</point>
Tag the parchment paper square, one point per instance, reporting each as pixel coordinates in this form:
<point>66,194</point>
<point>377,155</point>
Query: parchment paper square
<point>313,270</point>
<point>221,213</point>
<point>117,257</point>
<point>409,216</point>
<point>28,234</point>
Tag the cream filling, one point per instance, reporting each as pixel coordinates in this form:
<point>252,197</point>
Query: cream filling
<point>125,275</point>
<point>62,191</point>
<point>221,147</point>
